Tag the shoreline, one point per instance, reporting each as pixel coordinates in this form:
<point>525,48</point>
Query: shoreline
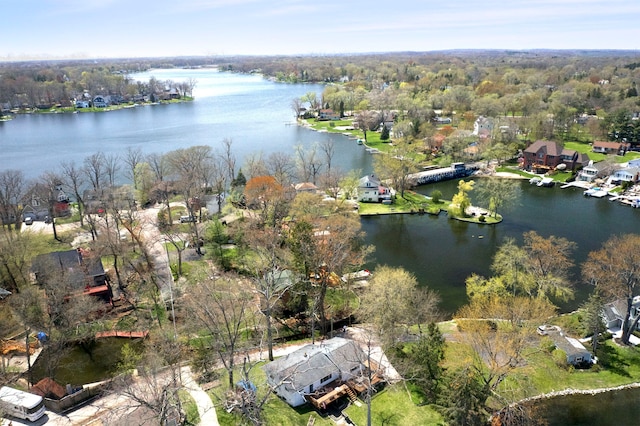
<point>73,110</point>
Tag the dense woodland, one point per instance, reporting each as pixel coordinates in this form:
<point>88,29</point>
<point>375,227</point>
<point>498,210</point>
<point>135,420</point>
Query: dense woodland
<point>273,271</point>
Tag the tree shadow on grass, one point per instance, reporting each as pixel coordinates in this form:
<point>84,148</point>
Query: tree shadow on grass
<point>610,359</point>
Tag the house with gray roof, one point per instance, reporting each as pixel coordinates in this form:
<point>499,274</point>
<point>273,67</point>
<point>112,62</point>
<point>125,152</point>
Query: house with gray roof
<point>577,354</point>
<point>614,313</point>
<point>300,374</point>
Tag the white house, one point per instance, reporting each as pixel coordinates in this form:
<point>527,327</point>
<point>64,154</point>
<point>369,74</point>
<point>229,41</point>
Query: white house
<point>370,189</point>
<point>310,368</point>
<point>481,125</point>
<point>592,171</point>
<point>628,174</point>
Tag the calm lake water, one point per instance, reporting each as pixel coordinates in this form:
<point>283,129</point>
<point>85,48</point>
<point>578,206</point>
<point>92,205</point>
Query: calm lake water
<point>443,252</point>
<point>255,114</point>
<point>248,109</point>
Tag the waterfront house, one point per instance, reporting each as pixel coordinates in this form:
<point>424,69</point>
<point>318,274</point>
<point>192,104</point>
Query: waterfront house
<point>593,171</point>
<point>100,101</point>
<point>79,269</point>
<point>328,114</point>
<point>627,174</point>
<point>577,354</point>
<point>542,156</point>
<point>311,372</point>
<point>614,313</point>
<point>615,148</point>
<point>370,189</point>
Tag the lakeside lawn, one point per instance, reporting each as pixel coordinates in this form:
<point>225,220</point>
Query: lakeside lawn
<point>413,203</point>
<point>395,404</point>
<point>345,127</point>
<point>595,156</point>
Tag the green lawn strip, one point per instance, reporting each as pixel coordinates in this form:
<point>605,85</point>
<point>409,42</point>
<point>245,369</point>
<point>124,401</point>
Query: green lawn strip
<point>618,366</point>
<point>413,202</point>
<point>395,404</point>
<point>190,407</point>
<point>596,156</point>
<point>556,175</point>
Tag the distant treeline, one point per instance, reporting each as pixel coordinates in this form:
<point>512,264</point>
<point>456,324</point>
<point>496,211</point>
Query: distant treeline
<point>566,95</point>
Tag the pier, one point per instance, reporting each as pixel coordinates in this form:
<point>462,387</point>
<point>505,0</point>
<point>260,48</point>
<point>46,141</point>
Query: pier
<point>455,171</point>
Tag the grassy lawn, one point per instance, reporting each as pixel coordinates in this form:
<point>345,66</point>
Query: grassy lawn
<point>373,138</point>
<point>617,366</point>
<point>395,405</point>
<point>586,149</point>
<point>190,407</point>
<point>414,203</point>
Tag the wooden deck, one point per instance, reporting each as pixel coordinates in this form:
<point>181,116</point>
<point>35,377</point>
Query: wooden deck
<point>357,385</point>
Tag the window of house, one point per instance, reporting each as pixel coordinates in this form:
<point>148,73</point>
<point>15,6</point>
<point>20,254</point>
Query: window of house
<point>326,378</point>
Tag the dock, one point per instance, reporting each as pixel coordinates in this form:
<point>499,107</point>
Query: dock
<point>455,171</point>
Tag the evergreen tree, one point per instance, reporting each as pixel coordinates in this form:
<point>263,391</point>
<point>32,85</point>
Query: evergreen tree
<point>384,136</point>
<point>424,361</point>
<point>240,180</point>
<point>593,322</point>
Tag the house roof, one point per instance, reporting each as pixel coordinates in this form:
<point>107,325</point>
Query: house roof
<point>549,147</point>
<point>311,363</point>
<point>629,171</point>
<point>609,145</point>
<point>615,311</point>
<point>305,186</point>
<point>568,344</point>
<point>369,181</point>
<point>74,264</point>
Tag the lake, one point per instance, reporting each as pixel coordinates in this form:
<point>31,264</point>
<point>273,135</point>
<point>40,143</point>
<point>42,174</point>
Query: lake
<point>252,111</point>
<point>442,252</point>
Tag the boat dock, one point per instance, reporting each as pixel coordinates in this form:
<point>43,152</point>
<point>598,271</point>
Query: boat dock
<point>455,171</point>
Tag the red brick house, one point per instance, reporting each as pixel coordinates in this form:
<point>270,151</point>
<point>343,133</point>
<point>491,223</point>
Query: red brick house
<point>542,156</point>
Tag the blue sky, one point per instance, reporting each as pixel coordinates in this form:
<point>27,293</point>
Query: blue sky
<point>149,28</point>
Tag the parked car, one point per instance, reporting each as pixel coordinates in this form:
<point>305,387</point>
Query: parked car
<point>28,220</point>
<point>187,219</point>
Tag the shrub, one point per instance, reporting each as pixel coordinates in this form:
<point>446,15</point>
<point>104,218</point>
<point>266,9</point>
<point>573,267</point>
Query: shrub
<point>547,345</point>
<point>560,358</point>
<point>436,195</point>
<point>482,218</point>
